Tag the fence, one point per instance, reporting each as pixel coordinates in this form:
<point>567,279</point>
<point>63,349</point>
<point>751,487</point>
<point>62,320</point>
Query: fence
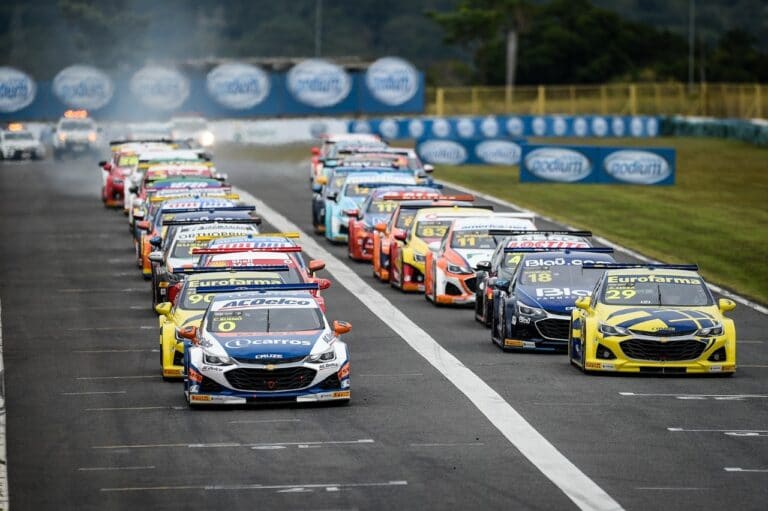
<point>672,98</point>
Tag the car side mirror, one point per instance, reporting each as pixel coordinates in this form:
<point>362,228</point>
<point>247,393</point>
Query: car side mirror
<point>316,265</point>
<point>156,257</point>
<point>103,164</point>
<point>156,241</point>
<point>341,327</point>
<point>428,168</point>
<point>188,332</point>
<point>143,225</point>
<point>164,309</point>
<point>583,302</point>
<point>315,151</point>
<point>725,305</point>
<point>321,180</point>
<point>400,235</point>
<point>380,227</point>
<point>501,284</point>
<point>483,266</point>
<point>323,283</point>
<point>331,196</point>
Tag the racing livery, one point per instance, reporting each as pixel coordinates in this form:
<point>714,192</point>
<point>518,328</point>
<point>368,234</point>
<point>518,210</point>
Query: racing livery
<point>267,343</point>
<point>655,318</point>
<point>533,308</point>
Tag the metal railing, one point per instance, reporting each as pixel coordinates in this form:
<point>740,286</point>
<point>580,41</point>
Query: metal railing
<point>726,100</point>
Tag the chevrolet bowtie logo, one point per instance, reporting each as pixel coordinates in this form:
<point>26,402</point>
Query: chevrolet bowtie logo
<point>270,367</point>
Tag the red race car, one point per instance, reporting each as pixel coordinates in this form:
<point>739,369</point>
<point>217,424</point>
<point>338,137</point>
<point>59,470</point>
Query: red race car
<point>113,177</point>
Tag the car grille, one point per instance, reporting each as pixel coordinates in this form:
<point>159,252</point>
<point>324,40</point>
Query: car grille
<point>275,361</point>
<point>471,284</point>
<point>552,328</point>
<point>208,385</point>
<point>644,349</point>
<point>332,382</point>
<point>289,378</point>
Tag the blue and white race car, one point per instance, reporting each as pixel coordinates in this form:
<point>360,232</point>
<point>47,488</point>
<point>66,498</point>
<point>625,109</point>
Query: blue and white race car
<point>266,343</point>
<point>347,201</point>
<point>533,307</point>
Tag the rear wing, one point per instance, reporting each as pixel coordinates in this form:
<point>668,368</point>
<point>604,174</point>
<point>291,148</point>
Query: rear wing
<point>592,250</point>
<point>504,232</point>
<point>650,266</point>
<point>216,250</point>
<point>310,286</point>
<point>224,269</point>
<point>468,206</point>
<point>435,196</point>
<point>194,221</point>
<point>168,211</point>
<point>213,193</point>
<point>211,237</point>
<point>121,141</point>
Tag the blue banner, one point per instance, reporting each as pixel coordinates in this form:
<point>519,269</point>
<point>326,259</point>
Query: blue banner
<point>232,90</point>
<point>597,164</point>
<point>514,126</point>
<point>491,151</point>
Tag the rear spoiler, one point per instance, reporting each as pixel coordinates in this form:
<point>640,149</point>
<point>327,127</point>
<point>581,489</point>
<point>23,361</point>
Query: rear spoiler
<point>468,206</point>
<point>503,232</point>
<point>211,237</point>
<point>593,250</point>
<point>193,221</point>
<point>215,250</point>
<point>200,194</point>
<point>426,196</point>
<point>650,266</point>
<point>211,209</point>
<point>225,269</point>
<point>310,286</point>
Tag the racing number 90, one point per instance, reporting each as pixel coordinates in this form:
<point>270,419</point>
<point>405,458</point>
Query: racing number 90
<point>196,298</point>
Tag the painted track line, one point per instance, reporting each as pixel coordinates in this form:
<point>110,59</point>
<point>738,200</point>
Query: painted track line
<point>3,454</point>
<point>576,485</point>
<point>618,248</point>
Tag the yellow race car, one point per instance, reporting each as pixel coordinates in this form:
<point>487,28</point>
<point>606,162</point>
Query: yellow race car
<point>408,253</point>
<point>652,318</point>
<point>190,305</point>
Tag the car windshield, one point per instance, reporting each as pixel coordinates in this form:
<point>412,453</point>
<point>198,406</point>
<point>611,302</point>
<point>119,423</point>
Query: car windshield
<point>405,218</point>
<point>473,239</point>
<point>655,290</point>
<point>381,207</point>
<point>356,190</point>
<point>432,230</point>
<point>195,296</point>
<point>183,248</point>
<point>278,319</point>
<point>560,276</point>
<point>128,161</point>
<point>76,126</point>
<point>19,135</point>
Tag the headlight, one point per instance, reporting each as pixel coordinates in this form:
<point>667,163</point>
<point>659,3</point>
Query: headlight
<point>62,136</point>
<point>206,138</point>
<point>325,356</point>
<point>611,330</point>
<point>216,360</point>
<point>459,269</point>
<point>92,136</point>
<point>419,258</point>
<point>527,310</point>
<point>711,331</point>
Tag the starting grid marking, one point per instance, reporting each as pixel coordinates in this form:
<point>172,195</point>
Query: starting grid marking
<point>727,432</point>
<point>256,446</point>
<point>277,488</point>
<point>700,397</point>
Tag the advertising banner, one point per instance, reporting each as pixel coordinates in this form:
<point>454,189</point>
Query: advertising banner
<point>597,164</point>
<point>470,152</point>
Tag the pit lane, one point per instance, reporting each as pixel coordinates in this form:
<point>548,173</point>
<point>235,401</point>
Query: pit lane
<point>90,418</point>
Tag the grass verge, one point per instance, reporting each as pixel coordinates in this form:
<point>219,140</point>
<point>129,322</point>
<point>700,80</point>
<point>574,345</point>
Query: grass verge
<point>716,215</point>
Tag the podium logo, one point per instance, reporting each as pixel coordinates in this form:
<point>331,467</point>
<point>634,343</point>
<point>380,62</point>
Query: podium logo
<point>83,87</point>
<point>392,80</point>
<point>637,167</point>
<point>556,164</point>
<point>17,89</point>
<point>160,88</point>
<point>319,83</point>
<point>442,152</point>
<point>238,86</point>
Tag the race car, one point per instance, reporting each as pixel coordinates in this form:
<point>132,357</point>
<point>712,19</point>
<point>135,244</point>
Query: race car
<point>190,305</point>
<point>398,224</point>
<point>533,308</point>
<point>449,276</point>
<point>652,319</point>
<point>502,263</point>
<point>16,143</point>
<point>267,343</point>
<point>378,208</point>
<point>409,252</point>
<point>346,202</point>
<point>115,171</point>
<point>333,143</point>
<point>76,134</point>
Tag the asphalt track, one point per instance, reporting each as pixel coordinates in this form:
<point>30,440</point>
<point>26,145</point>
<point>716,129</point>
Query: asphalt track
<point>91,425</point>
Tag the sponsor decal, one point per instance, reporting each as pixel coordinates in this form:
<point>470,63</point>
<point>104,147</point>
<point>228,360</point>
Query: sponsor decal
<point>265,301</point>
<point>197,397</point>
<point>244,343</point>
<point>592,365</point>
<point>513,343</point>
<point>344,371</point>
<point>441,128</point>
<point>389,129</point>
<point>341,394</point>
<point>499,152</point>
<point>416,128</point>
<point>361,127</point>
<point>392,80</point>
<point>515,126</point>
<point>637,167</point>
<point>553,243</point>
<point>237,86</point>
<point>556,164</point>
<point>83,87</point>
<point>318,83</point>
<point>465,128</point>
<point>636,127</point>
<point>262,356</point>
<point>443,152</point>
<point>17,89</point>
<point>159,87</point>
<point>489,127</point>
<point>652,127</point>
<point>599,127</point>
<point>558,261</point>
<point>565,292</point>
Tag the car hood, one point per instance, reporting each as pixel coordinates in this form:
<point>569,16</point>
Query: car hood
<point>372,219</point>
<point>662,321</point>
<point>276,345</point>
<point>473,256</point>
<point>551,299</point>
